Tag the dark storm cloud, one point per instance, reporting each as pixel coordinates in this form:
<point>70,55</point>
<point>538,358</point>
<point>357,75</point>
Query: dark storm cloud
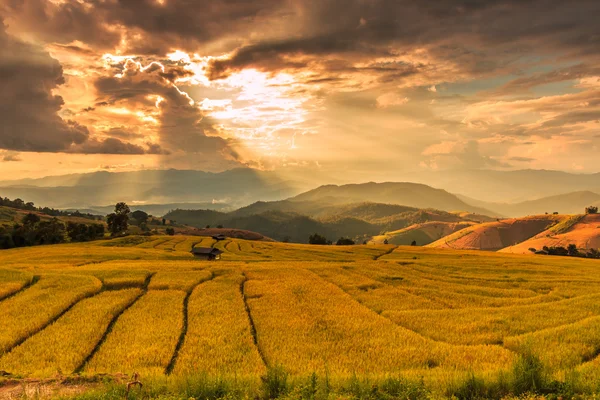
<point>28,108</point>
<point>480,36</point>
<point>182,125</point>
<point>148,26</point>
<point>456,31</point>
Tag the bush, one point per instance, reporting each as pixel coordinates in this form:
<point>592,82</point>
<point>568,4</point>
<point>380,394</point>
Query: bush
<point>317,239</point>
<point>528,374</point>
<point>170,231</point>
<point>344,242</point>
<point>591,210</point>
<point>274,383</point>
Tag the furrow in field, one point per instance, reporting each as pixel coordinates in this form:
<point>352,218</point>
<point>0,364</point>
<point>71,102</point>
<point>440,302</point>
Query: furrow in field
<point>144,337</point>
<point>12,282</point>
<point>219,339</point>
<point>308,325</point>
<point>112,323</point>
<point>38,306</point>
<point>492,325</point>
<point>64,345</point>
<point>184,326</point>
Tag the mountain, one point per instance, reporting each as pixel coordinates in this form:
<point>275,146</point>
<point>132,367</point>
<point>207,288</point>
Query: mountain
<point>568,203</point>
<point>237,187</point>
<point>157,209</point>
<point>401,193</point>
<point>506,186</point>
<point>296,220</point>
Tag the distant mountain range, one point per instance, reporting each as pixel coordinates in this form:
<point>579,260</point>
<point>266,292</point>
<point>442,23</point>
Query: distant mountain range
<point>568,203</point>
<point>237,187</point>
<point>502,193</point>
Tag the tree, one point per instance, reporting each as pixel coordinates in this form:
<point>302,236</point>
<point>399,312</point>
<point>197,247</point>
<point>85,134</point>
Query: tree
<point>220,226</point>
<point>118,222</point>
<point>50,232</point>
<point>164,221</point>
<point>414,243</point>
<point>170,231</point>
<point>140,217</point>
<point>386,241</point>
<point>317,239</point>
<point>591,210</point>
<point>572,249</point>
<point>344,242</point>
<point>31,219</point>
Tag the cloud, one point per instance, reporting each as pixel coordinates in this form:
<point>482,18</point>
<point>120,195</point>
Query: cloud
<point>28,108</point>
<point>390,100</point>
<point>181,126</point>
<point>459,155</point>
<point>522,159</point>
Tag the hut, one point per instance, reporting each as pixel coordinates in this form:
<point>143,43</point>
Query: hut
<point>207,253</point>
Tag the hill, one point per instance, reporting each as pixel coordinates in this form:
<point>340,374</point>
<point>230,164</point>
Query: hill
<point>580,230</point>
<point>296,220</point>
<point>498,234</point>
<point>422,234</point>
<point>402,193</point>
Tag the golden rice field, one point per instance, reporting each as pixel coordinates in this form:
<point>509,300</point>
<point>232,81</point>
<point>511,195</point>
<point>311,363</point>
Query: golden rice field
<point>143,304</point>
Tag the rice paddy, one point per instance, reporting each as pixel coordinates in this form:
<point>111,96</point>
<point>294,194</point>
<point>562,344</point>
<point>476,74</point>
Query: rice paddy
<point>371,311</point>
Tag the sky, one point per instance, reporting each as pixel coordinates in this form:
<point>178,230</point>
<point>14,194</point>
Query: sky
<point>342,88</point>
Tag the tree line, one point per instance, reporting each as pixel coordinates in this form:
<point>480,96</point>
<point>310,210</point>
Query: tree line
<point>30,206</point>
<point>33,231</point>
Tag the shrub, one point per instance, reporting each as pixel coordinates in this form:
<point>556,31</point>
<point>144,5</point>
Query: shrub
<point>591,210</point>
<point>274,383</point>
<point>317,239</point>
<point>344,242</point>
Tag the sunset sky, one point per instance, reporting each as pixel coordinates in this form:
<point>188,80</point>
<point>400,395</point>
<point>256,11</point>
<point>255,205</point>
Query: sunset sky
<point>363,87</point>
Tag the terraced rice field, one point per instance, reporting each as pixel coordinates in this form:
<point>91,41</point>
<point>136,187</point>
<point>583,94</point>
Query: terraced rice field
<point>145,305</point>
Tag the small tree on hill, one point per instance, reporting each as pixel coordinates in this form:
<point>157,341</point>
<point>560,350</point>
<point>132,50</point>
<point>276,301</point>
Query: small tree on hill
<point>140,217</point>
<point>170,231</point>
<point>317,239</point>
<point>118,222</point>
<point>414,243</point>
<point>572,249</point>
<point>386,241</point>
<point>591,210</point>
<point>344,242</point>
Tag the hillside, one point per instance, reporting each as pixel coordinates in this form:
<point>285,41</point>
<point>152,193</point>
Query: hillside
<point>423,234</point>
<point>580,230</point>
<point>401,193</point>
<point>499,234</point>
<point>296,220</point>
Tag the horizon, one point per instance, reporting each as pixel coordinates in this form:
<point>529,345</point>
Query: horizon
<point>348,89</point>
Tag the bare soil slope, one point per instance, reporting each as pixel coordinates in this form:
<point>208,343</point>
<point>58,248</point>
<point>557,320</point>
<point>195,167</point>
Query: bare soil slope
<point>499,234</point>
<point>422,234</point>
<point>581,230</point>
